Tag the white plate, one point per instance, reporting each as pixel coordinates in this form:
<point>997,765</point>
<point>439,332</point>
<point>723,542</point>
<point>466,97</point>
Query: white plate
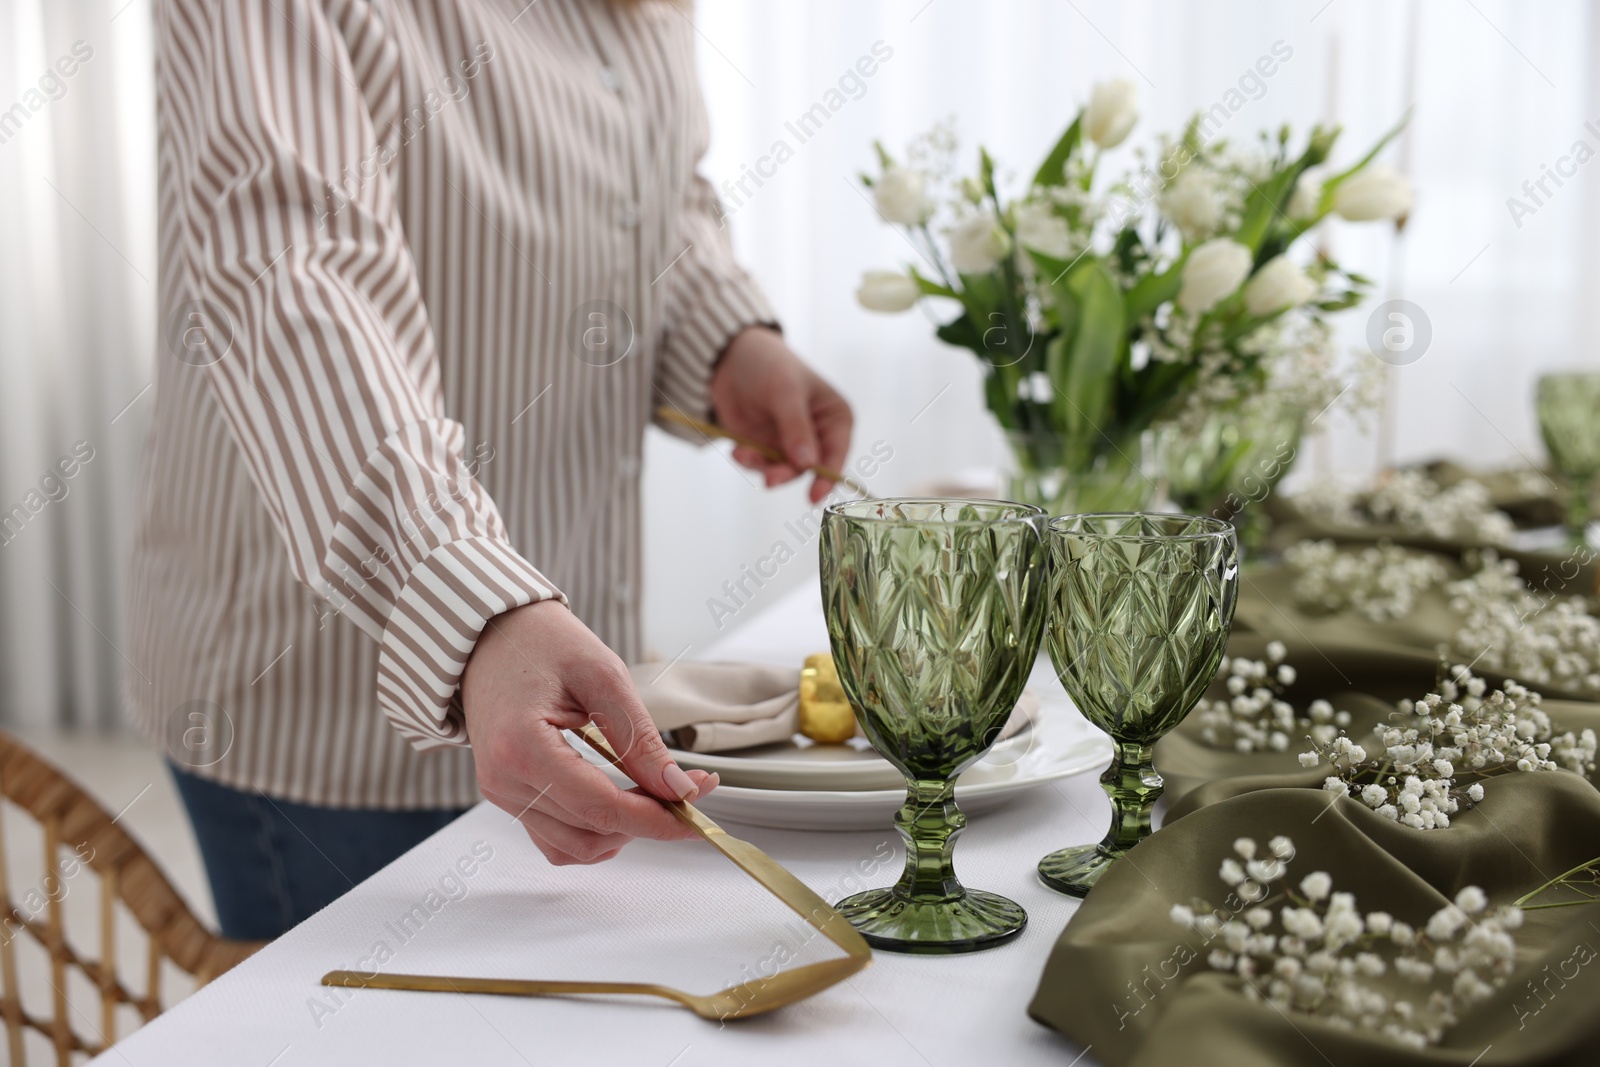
<point>801,763</point>
<point>1063,744</point>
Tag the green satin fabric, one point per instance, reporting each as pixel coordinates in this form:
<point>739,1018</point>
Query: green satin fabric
<point>1117,978</point>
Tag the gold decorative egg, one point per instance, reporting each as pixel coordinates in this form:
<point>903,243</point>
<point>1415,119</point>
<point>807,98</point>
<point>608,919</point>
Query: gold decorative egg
<point>825,715</point>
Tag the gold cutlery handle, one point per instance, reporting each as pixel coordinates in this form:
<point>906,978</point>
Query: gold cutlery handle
<point>516,987</point>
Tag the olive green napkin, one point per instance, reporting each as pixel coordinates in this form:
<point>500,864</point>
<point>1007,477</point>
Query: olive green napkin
<point>1530,495</point>
<point>1564,571</point>
<point>1119,981</point>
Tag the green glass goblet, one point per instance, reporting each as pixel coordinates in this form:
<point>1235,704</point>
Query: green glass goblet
<point>935,610</point>
<point>1567,405</point>
<point>1140,607</point>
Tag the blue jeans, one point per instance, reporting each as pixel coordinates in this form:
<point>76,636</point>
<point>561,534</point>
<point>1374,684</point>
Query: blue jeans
<point>272,863</point>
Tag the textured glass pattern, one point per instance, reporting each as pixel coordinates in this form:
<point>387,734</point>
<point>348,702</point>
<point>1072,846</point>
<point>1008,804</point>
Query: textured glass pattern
<point>1140,608</point>
<point>935,610</point>
<point>1569,420</point>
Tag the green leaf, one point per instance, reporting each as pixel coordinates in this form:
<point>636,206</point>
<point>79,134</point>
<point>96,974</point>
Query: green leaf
<point>961,332</point>
<point>929,287</point>
<point>1086,373</point>
<point>1372,153</point>
<point>1053,171</point>
<point>1152,290</point>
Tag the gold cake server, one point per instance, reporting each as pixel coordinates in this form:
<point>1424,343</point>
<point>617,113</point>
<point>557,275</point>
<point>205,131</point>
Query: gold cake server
<point>755,997</point>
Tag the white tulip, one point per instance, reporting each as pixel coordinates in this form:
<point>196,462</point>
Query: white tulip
<point>977,243</point>
<point>1112,110</point>
<point>1041,229</point>
<point>887,290</point>
<point>1379,192</point>
<point>902,196</point>
<point>1213,270</point>
<point>1277,285</point>
<point>1307,195</point>
<point>1191,202</point>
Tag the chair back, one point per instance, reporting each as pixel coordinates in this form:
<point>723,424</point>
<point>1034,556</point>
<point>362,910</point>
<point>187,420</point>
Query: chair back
<point>80,835</point>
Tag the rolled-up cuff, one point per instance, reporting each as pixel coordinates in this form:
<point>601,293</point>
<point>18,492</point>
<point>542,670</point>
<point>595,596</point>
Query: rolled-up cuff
<point>694,342</point>
<point>447,601</point>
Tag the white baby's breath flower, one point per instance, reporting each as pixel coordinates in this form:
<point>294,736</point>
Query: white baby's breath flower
<point>1316,885</point>
<point>1334,962</point>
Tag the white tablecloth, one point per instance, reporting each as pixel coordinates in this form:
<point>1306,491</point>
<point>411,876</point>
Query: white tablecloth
<point>679,914</point>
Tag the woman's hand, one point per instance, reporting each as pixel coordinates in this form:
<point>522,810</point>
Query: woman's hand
<point>536,671</point>
<point>763,391</point>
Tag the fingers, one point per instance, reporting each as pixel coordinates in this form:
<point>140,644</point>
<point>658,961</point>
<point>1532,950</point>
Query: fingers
<point>614,706</point>
<point>834,424</point>
<point>563,844</point>
<point>562,784</point>
<point>796,434</point>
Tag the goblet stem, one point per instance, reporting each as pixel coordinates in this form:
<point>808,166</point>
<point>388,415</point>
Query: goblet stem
<point>1578,511</point>
<point>930,822</point>
<point>1133,786</point>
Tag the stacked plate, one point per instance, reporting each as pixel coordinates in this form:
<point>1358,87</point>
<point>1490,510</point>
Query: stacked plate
<point>801,785</point>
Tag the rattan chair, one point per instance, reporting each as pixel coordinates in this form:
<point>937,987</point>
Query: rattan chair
<point>77,830</point>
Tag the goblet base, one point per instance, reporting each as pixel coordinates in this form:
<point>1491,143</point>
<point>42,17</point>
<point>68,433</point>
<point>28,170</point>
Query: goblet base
<point>1076,870</point>
<point>974,921</point>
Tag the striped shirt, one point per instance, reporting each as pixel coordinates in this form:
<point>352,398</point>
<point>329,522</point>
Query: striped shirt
<point>427,266</point>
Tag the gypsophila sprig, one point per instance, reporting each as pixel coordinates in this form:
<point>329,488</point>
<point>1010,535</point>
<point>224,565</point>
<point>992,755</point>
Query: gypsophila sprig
<point>1415,502</point>
<point>1304,947</point>
<point>1439,749</point>
<point>1254,717</point>
<point>1508,627</point>
<point>1379,582</point>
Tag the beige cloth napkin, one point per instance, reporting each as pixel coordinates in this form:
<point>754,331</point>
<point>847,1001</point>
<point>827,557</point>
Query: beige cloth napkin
<point>717,707</point>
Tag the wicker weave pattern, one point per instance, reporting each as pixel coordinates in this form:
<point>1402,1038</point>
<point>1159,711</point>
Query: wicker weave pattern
<point>79,830</point>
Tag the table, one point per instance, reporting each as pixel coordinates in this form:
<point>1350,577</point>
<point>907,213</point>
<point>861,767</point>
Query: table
<point>477,899</point>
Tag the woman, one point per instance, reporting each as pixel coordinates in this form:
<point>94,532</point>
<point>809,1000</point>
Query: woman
<point>427,267</point>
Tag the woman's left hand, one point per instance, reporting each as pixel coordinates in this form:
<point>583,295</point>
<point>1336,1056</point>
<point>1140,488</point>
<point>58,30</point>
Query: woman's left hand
<point>763,391</point>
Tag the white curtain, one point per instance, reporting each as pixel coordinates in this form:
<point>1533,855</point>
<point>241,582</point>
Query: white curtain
<point>1500,90</point>
<point>77,297</point>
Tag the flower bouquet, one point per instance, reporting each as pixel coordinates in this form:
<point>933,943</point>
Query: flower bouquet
<point>1170,296</point>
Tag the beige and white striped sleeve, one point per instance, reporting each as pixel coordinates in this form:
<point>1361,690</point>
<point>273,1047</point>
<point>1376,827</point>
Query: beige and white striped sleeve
<point>332,384</point>
<point>711,297</point>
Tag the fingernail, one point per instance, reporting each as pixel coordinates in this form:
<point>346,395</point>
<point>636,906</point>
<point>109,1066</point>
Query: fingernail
<point>681,785</point>
<point>805,456</point>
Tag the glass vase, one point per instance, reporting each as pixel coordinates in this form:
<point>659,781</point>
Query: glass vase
<point>1044,473</point>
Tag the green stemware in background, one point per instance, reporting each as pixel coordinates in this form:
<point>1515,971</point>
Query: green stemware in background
<point>935,610</point>
<point>1140,607</point>
<point>1569,418</point>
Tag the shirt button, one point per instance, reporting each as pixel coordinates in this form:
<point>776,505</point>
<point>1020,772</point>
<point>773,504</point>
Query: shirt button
<point>628,217</point>
<point>623,592</point>
<point>628,467</point>
<point>609,79</point>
